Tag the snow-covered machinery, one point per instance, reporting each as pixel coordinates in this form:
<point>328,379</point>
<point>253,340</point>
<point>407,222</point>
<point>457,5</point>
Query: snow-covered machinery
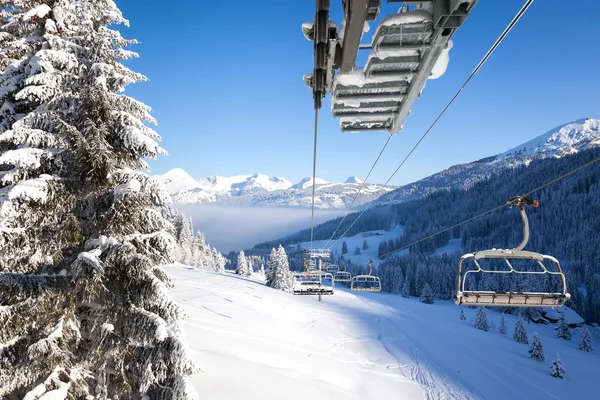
<point>536,266</point>
<point>314,282</point>
<point>406,49</point>
<point>366,283</point>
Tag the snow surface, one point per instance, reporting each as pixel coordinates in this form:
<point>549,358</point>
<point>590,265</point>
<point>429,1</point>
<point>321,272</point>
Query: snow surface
<point>308,182</point>
<point>441,64</point>
<point>412,17</point>
<point>38,11</point>
<point>254,342</point>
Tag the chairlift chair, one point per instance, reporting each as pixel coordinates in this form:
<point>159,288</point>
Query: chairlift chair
<point>366,283</point>
<point>329,267</point>
<point>511,299</point>
<point>313,283</point>
<point>343,276</point>
<point>319,253</point>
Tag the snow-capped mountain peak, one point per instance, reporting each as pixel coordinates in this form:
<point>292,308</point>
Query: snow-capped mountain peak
<point>560,140</point>
<point>353,179</point>
<point>307,182</point>
<point>177,180</point>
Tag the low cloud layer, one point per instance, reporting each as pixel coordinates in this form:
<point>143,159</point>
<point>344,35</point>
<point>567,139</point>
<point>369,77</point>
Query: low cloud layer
<point>234,228</point>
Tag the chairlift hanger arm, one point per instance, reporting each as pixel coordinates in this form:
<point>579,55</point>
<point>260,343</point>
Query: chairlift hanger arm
<point>405,73</point>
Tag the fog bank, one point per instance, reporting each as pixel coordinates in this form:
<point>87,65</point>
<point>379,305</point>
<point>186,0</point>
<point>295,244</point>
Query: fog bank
<point>235,227</point>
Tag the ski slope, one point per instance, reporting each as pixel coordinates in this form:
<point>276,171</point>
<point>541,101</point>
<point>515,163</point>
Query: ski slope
<point>254,342</point>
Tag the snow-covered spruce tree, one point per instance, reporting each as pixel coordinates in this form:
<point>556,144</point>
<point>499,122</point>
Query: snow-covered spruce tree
<point>585,340</point>
<point>536,351</point>
<point>557,369</point>
<point>242,264</point>
<point>520,334</point>
<point>262,270</point>
<point>249,267</point>
<point>218,261</point>
<point>502,325</point>
<point>492,325</point>
<point>279,270</point>
<point>202,253</point>
<point>462,314</point>
<point>184,232</point>
<point>481,320</point>
<point>271,267</point>
<point>406,289</point>
<point>562,330</point>
<point>426,294</point>
<point>85,310</point>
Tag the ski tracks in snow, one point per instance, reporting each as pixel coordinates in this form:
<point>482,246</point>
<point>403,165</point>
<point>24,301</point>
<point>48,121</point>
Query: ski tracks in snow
<point>435,383</point>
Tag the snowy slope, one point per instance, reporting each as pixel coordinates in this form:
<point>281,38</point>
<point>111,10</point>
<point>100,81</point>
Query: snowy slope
<point>565,139</point>
<point>254,342</point>
<point>262,190</point>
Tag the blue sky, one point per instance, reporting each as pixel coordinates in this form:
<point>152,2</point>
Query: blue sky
<point>225,83</point>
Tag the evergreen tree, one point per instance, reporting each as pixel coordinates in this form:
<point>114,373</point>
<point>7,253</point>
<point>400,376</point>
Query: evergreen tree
<point>492,325</point>
<point>284,274</point>
<point>585,340</point>
<point>242,264</point>
<point>481,321</point>
<point>557,369</point>
<point>357,251</point>
<point>344,248</point>
<point>201,252</point>
<point>462,315</point>
<point>87,229</point>
<point>365,245</point>
<point>249,267</point>
<point>262,270</point>
<point>563,331</point>
<point>279,272</point>
<point>503,325</point>
<point>426,295</point>
<point>186,242</point>
<point>520,334</point>
<point>271,267</point>
<point>218,261</point>
<point>536,351</point>
<point>406,289</point>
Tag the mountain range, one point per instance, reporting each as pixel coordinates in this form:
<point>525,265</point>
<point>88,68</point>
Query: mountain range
<point>262,190</point>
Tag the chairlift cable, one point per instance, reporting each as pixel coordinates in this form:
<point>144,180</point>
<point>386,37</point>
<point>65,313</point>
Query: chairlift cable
<point>312,215</point>
<point>477,68</point>
<point>364,182</point>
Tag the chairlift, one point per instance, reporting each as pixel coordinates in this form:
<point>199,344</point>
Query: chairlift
<point>319,253</point>
<point>514,299</point>
<point>329,267</point>
<point>313,283</point>
<point>366,283</point>
<point>342,276</point>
